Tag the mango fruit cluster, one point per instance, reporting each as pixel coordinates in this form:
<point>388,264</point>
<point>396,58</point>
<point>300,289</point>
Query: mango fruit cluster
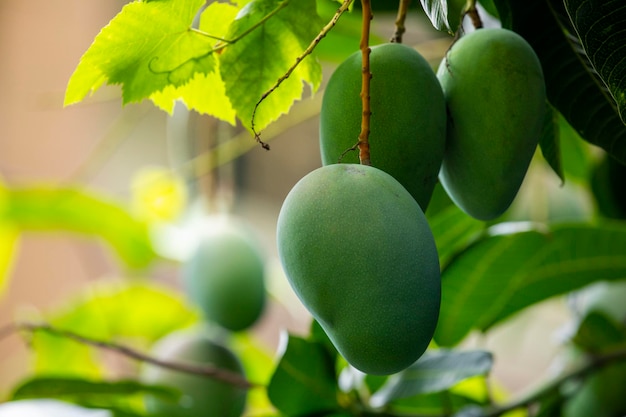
<point>353,239</point>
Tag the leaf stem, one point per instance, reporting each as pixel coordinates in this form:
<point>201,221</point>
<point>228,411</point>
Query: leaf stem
<point>202,370</point>
<point>327,28</point>
<point>364,145</point>
<point>472,12</point>
<point>403,8</point>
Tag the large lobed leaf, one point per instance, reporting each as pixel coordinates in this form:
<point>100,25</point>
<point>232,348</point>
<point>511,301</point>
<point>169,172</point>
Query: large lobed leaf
<point>573,88</point>
<point>251,66</point>
<point>145,48</point>
<point>507,272</point>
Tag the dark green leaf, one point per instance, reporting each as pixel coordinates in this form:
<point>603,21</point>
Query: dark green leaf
<point>601,28</point>
<point>572,88</point>
<point>435,404</point>
<point>601,394</point>
<point>75,210</point>
<point>59,387</point>
<point>436,371</point>
<point>304,381</point>
<point>511,270</point>
<point>598,332</point>
<point>607,184</point>
<point>453,231</point>
<point>550,143</point>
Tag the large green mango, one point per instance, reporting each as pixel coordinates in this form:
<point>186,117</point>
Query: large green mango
<point>359,253</point>
<point>496,99</point>
<point>201,396</point>
<point>408,121</point>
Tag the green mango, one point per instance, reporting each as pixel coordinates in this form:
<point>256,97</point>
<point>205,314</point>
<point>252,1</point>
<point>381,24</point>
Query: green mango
<point>201,396</point>
<point>408,121</point>
<point>496,99</point>
<point>359,253</point>
<point>225,276</point>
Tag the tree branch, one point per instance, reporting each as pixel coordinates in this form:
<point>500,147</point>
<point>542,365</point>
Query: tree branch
<point>403,8</point>
<point>202,370</point>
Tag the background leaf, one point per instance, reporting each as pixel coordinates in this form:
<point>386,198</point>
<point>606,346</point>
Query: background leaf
<point>436,371</point>
<point>601,25</point>
<point>252,65</point>
<point>304,381</point>
<point>46,208</point>
<point>60,387</point>
<point>572,88</point>
<point>505,273</point>
<point>453,231</point>
<point>108,311</point>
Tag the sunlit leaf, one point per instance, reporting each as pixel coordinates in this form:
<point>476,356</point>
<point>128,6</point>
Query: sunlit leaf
<point>304,382</point>
<point>204,93</point>
<point>9,234</point>
<point>507,272</point>
<point>600,27</point>
<point>145,48</point>
<point>280,31</point>
<point>158,194</point>
<point>48,208</point>
<point>436,371</point>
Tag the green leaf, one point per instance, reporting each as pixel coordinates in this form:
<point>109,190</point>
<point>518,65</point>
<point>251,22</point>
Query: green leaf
<point>600,28</point>
<point>146,47</point>
<point>598,332</point>
<point>60,387</point>
<point>278,31</point>
<point>572,87</point>
<point>437,12</point>
<point>204,93</point>
<point>549,142</point>
<point>512,269</point>
<point>48,408</point>
<point>436,371</point>
<point>453,231</point>
<point>106,311</point>
<point>304,381</point>
<point>46,208</point>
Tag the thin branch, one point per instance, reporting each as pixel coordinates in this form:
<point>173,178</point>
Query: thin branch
<point>333,21</point>
<point>403,8</point>
<point>208,371</point>
<point>364,145</point>
<point>472,11</point>
<point>594,364</point>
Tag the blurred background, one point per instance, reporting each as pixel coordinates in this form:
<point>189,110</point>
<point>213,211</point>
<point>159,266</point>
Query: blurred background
<point>100,145</point>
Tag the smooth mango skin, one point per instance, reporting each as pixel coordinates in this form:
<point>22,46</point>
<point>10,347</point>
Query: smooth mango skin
<point>359,253</point>
<point>225,276</point>
<point>496,99</point>
<point>201,396</point>
<point>408,121</point>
